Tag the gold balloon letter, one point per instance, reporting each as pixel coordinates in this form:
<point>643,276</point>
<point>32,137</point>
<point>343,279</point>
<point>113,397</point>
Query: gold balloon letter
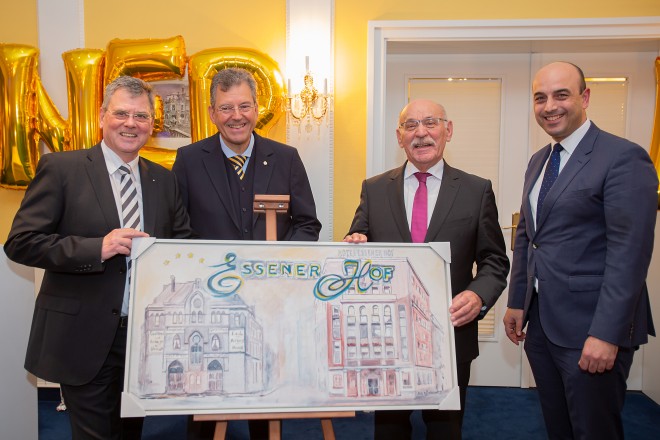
<point>18,66</point>
<point>655,140</point>
<point>28,115</point>
<point>205,64</point>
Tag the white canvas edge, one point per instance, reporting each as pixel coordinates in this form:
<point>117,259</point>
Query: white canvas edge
<point>131,405</point>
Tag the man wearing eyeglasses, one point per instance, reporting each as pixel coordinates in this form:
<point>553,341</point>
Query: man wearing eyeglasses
<point>77,221</point>
<point>220,175</point>
<point>426,200</point>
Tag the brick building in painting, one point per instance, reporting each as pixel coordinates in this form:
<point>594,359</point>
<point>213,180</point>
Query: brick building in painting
<point>380,339</point>
<point>195,344</point>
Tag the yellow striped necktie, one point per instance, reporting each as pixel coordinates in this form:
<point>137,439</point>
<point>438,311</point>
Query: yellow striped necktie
<point>238,161</point>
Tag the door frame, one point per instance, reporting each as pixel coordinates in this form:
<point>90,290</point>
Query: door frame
<point>618,34</point>
<point>489,36</point>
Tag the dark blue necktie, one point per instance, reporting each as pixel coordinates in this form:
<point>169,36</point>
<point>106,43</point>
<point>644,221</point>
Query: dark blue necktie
<point>549,177</point>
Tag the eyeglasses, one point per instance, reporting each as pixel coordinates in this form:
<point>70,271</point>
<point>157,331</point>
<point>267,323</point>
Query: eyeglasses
<point>123,115</point>
<point>230,109</point>
<point>412,124</point>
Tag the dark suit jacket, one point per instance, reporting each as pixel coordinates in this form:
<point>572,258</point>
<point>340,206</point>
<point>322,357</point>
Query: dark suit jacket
<point>465,215</point>
<point>67,210</point>
<point>202,176</point>
<point>592,247</point>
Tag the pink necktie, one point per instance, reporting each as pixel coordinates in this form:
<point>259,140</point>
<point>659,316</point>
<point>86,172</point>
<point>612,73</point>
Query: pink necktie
<point>420,210</point>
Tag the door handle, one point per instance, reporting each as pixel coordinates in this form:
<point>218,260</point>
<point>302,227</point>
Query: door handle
<point>515,218</point>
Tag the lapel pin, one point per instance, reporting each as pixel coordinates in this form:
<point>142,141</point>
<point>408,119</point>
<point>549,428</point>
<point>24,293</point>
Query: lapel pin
<point>265,162</point>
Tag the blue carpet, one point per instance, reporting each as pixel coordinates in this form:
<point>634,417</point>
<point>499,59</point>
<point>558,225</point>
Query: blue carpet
<point>491,413</point>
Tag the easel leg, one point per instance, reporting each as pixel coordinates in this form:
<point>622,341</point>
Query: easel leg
<point>220,430</point>
<point>274,429</point>
<point>328,432</point>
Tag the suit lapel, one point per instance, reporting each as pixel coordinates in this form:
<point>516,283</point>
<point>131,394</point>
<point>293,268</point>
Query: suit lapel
<point>578,159</point>
<point>264,163</point>
<point>149,198</point>
<point>535,167</point>
<point>397,203</point>
<point>214,164</point>
<point>446,197</point>
<point>97,172</point>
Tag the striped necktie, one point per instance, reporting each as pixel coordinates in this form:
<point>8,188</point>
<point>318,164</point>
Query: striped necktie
<point>238,161</point>
<point>129,199</point>
<point>130,210</point>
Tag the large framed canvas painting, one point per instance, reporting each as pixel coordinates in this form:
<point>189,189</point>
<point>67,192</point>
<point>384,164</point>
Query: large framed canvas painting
<point>254,327</point>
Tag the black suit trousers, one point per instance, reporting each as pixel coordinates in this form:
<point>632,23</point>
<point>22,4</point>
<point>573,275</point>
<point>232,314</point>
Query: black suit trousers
<point>95,406</point>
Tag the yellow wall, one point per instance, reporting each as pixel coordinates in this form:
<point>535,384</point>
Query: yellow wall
<point>262,26</point>
<point>257,24</point>
<point>18,22</point>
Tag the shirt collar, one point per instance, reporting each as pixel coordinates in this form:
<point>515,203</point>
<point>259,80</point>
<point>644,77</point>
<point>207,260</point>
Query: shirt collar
<point>571,142</point>
<point>230,153</point>
<point>113,161</point>
<point>436,170</point>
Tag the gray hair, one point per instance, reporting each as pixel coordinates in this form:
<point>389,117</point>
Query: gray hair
<point>231,77</point>
<point>135,86</point>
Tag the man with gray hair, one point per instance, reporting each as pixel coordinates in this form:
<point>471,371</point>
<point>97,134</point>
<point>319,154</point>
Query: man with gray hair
<point>77,221</point>
<point>220,175</point>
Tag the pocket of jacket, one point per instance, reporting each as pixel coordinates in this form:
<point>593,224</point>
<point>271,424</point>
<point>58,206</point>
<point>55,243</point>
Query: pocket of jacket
<point>60,304</point>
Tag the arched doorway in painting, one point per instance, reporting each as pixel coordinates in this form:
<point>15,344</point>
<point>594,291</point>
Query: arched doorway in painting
<point>175,377</point>
<point>215,374</point>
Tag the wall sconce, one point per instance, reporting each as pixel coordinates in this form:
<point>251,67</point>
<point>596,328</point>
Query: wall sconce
<point>309,105</point>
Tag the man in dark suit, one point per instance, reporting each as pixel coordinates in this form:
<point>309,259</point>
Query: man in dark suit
<point>71,223</point>
<point>456,207</point>
<point>220,175</point>
<point>582,251</point>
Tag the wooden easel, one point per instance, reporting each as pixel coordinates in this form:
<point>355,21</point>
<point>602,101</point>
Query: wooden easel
<point>272,205</point>
<point>274,421</point>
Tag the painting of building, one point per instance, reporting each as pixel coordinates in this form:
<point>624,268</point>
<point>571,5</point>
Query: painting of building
<point>195,344</point>
<point>234,327</point>
<point>380,335</point>
<point>176,113</point>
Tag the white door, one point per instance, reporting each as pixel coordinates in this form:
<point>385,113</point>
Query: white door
<point>487,96</point>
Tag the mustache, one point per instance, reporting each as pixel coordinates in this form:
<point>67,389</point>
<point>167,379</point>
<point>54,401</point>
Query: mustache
<point>425,141</point>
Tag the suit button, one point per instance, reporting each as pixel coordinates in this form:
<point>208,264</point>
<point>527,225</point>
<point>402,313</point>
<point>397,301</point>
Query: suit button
<point>535,246</point>
<point>122,270</point>
<point>115,312</point>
